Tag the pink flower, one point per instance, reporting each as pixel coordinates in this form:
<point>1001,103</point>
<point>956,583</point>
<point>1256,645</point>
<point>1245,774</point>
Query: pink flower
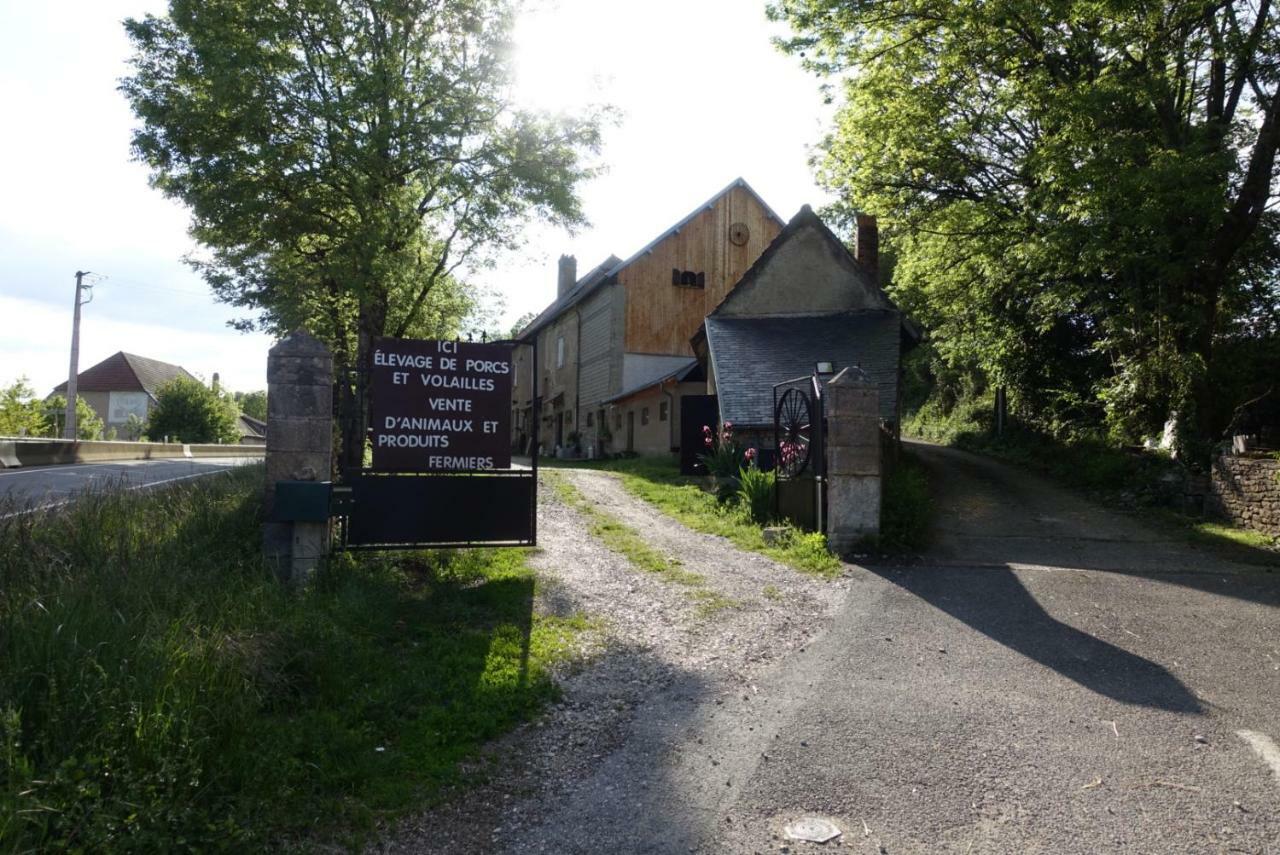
<point>750,454</point>
<point>728,425</point>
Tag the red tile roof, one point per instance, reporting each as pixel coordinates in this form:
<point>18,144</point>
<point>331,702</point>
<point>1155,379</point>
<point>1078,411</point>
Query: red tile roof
<point>125,372</point>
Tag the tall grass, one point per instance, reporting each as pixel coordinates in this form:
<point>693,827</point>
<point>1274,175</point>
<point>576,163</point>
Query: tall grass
<point>159,691</point>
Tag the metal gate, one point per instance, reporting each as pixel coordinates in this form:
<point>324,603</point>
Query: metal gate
<point>799,434</point>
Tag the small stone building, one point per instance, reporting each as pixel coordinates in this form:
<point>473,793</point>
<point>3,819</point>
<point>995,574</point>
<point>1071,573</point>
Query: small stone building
<point>807,304</point>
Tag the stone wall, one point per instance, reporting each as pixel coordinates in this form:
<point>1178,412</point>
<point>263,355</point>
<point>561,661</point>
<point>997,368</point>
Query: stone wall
<point>1246,491</point>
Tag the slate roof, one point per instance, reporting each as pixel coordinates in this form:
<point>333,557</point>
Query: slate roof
<point>583,287</point>
<point>749,355</point>
<point>126,372</point>
<point>678,375</point>
<point>613,265</point>
<point>249,426</point>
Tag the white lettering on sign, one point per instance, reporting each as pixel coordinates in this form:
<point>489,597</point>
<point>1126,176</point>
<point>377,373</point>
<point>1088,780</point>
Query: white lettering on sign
<point>411,440</point>
<point>436,461</point>
<point>401,360</point>
<point>440,381</point>
<point>450,404</point>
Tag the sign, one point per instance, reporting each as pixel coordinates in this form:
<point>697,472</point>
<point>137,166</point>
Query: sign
<point>121,405</point>
<point>440,406</point>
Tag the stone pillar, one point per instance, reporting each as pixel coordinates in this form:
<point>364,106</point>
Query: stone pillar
<point>853,460</point>
<point>299,449</point>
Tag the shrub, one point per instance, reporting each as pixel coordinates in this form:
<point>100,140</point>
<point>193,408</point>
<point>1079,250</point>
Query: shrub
<point>756,489</point>
<point>189,411</point>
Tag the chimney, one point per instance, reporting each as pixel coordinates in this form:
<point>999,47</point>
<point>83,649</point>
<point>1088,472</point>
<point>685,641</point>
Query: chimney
<point>867,242</point>
<point>568,275</point>
<point>215,381</point>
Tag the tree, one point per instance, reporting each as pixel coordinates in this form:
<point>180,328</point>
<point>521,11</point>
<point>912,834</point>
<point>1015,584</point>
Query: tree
<point>343,158</point>
<point>21,412</point>
<point>188,411</point>
<point>88,424</point>
<point>1077,192</point>
<point>253,404</point>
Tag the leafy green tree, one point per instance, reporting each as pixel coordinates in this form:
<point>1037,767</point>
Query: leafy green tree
<point>21,412</point>
<point>188,411</point>
<point>1076,192</point>
<point>88,425</point>
<point>253,404</point>
<point>343,158</point>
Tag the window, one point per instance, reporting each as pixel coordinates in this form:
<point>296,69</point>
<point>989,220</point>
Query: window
<point>590,422</point>
<point>560,352</point>
<point>644,415</point>
<point>662,411</point>
<point>688,279</point>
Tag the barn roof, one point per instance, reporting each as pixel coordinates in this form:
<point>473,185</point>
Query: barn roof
<point>613,265</point>
<point>126,372</point>
<point>750,355</point>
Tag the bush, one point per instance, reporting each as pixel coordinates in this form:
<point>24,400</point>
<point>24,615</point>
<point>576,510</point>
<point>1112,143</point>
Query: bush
<point>189,411</point>
<point>723,455</point>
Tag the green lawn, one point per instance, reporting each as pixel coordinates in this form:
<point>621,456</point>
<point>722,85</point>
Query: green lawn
<point>160,692</point>
<point>658,481</point>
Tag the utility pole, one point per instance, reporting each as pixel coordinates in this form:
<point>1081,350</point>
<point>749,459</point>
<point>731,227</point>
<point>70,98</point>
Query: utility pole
<point>69,431</point>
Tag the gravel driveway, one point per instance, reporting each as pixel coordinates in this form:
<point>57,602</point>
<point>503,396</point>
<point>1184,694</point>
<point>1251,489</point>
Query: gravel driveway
<point>646,710</point>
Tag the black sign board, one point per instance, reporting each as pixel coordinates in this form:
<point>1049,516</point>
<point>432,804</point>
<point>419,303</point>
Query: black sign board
<point>398,511</point>
<point>440,406</point>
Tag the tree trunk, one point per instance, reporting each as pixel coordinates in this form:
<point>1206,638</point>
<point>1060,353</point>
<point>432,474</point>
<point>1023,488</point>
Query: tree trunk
<point>371,324</point>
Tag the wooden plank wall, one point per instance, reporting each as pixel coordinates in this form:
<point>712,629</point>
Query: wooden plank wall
<point>661,317</point>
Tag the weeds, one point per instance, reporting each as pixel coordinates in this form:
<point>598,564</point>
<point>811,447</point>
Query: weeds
<point>159,691</point>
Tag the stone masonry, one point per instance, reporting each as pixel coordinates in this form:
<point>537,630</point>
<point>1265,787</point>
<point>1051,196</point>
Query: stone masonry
<point>299,448</point>
<point>853,460</point>
<point>1246,491</point>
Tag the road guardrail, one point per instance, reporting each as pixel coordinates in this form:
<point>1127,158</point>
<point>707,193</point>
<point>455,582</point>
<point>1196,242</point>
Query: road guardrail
<point>20,451</point>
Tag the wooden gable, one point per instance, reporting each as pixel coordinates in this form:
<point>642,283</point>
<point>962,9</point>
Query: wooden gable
<point>676,282</point>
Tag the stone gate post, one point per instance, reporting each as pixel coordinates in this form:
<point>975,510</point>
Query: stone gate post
<point>299,456</point>
<point>853,460</point>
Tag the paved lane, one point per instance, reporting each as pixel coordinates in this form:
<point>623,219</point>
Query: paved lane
<point>40,486</point>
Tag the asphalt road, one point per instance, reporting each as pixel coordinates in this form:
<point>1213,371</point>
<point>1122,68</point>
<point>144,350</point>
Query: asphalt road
<point>1052,678</point>
<point>42,486</point>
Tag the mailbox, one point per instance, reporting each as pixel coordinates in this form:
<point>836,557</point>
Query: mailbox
<point>302,501</point>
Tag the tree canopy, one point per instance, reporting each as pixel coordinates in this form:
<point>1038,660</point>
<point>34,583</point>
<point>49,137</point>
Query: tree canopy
<point>342,159</point>
<point>186,410</point>
<point>1076,193</point>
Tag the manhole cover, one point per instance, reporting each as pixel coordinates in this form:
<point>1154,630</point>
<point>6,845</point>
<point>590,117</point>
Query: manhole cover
<point>812,829</point>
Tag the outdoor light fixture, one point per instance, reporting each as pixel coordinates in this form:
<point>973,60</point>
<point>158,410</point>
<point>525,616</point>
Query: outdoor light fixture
<point>825,367</point>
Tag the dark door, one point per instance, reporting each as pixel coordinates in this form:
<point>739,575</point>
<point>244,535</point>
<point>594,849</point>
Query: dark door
<point>631,430</point>
<point>695,411</point>
<point>560,429</point>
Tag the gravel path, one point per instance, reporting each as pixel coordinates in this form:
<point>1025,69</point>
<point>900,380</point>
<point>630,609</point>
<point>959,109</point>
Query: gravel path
<point>643,733</point>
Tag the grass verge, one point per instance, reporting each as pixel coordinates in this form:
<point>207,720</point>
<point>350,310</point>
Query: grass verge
<point>159,691</point>
<point>658,481</point>
<point>627,542</point>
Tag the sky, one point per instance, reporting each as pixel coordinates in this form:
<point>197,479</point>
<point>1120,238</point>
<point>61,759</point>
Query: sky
<point>703,98</point>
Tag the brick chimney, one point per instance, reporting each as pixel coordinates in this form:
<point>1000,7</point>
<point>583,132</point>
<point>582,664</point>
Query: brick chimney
<point>867,242</point>
<point>568,275</point>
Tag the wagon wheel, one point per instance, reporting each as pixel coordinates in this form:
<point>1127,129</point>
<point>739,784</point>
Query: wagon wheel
<point>794,418</point>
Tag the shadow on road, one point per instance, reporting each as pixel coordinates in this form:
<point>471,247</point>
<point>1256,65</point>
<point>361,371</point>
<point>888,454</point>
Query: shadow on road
<point>995,603</point>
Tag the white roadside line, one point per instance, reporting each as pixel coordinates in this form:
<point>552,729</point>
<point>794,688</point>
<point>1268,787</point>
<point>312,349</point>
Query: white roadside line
<point>142,486</point>
<point>1264,747</point>
<point>67,467</point>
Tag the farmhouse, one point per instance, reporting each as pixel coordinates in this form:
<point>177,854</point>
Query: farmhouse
<point>613,348</point>
<point>123,385</point>
<point>725,303</point>
<point>807,305</point>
